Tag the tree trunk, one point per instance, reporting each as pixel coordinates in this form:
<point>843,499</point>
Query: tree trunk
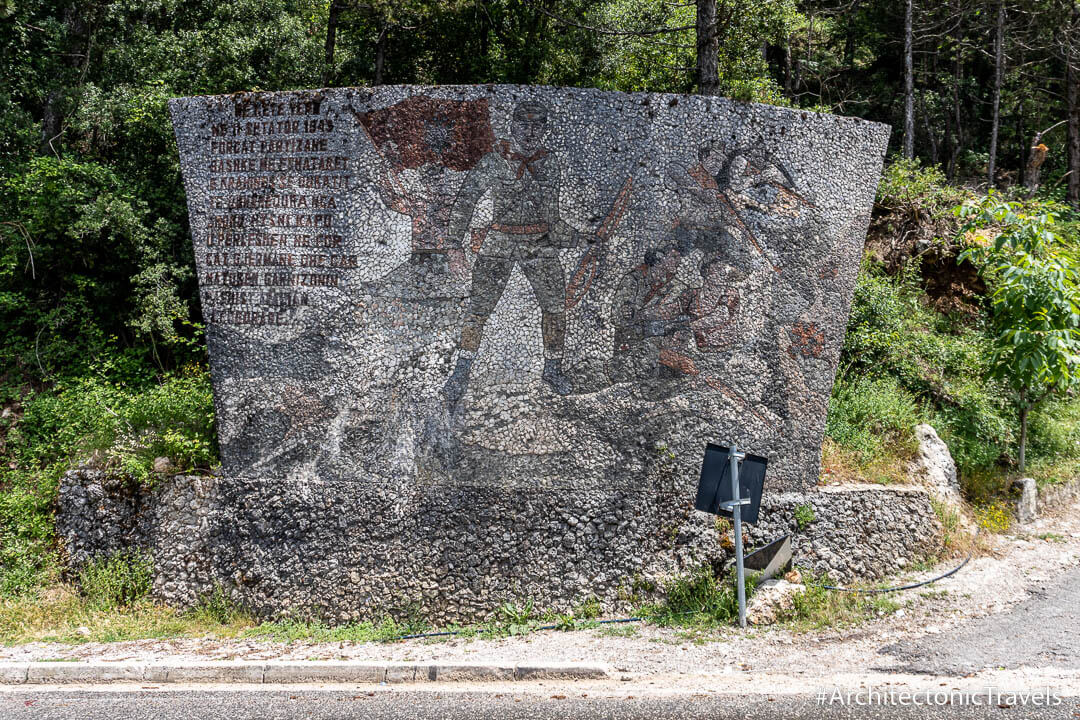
<point>935,158</point>
<point>849,39</point>
<point>1024,410</point>
<point>331,42</point>
<point>77,40</point>
<point>484,23</point>
<point>1072,80</point>
<point>51,123</point>
<point>708,71</point>
<point>380,54</point>
<point>909,83</point>
<point>796,82</point>
<point>958,122</point>
<point>1020,133</point>
<point>999,68</point>
<point>789,90</point>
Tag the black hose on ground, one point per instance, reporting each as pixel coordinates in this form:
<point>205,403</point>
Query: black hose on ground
<point>898,588</point>
<point>912,586</point>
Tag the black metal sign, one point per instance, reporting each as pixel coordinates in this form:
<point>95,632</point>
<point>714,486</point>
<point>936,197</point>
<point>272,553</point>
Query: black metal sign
<point>715,488</point>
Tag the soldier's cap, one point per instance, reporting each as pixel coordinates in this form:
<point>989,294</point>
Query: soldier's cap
<point>529,110</point>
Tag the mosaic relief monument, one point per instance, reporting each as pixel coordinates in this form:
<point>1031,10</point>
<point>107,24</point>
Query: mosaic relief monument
<point>482,312</point>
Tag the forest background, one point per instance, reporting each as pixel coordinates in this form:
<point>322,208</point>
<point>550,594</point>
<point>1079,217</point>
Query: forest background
<point>103,359</point>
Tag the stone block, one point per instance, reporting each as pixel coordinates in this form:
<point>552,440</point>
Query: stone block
<point>934,466</point>
<point>474,672</point>
<point>1026,491</point>
<point>397,672</point>
<point>13,673</point>
<point>59,673</point>
<point>345,671</point>
<point>225,671</point>
<point>771,600</point>
<point>562,671</point>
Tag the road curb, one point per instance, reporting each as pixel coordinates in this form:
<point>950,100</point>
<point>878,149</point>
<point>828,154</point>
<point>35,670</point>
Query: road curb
<point>282,672</point>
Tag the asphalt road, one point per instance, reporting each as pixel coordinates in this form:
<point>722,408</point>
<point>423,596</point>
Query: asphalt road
<point>429,705</point>
<point>1043,631</point>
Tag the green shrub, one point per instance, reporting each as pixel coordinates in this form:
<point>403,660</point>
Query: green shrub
<point>588,610</point>
<point>121,416</point>
<point>905,363</point>
<point>804,516</point>
<point>119,579</point>
<point>26,531</point>
<point>1055,429</point>
<point>866,414</point>
<point>83,259</point>
<point>698,597</point>
<point>217,608</point>
<point>913,208</point>
<point>907,183</point>
<point>127,426</point>
<point>1034,299</point>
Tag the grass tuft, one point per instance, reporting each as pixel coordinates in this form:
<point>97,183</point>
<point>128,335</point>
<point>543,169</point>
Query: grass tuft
<point>818,608</point>
<point>118,579</point>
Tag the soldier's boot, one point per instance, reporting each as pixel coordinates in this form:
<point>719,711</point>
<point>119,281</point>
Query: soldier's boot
<point>454,389</point>
<point>553,376</point>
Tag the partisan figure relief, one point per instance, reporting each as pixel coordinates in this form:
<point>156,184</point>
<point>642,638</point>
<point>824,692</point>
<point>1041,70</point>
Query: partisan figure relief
<point>527,231</point>
<point>700,290</point>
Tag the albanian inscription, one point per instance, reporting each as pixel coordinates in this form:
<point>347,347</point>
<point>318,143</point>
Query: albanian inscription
<point>528,286</point>
<point>271,178</point>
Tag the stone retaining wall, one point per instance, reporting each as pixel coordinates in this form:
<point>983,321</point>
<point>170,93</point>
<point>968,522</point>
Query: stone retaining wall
<point>280,548</point>
<point>1054,497</point>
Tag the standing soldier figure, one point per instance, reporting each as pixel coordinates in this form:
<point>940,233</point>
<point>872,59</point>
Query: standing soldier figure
<point>526,231</point>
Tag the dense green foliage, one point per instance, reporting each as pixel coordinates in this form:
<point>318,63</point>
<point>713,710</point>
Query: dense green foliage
<point>119,579</point>
<point>1035,303</point>
<point>112,418</point>
<point>905,362</point>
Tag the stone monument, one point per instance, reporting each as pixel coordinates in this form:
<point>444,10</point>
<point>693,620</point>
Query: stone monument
<point>468,343</point>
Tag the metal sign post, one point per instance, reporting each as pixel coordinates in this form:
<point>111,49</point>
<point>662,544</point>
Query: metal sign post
<point>747,476</point>
<point>735,506</point>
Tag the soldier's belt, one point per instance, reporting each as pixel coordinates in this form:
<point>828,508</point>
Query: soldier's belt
<point>520,229</point>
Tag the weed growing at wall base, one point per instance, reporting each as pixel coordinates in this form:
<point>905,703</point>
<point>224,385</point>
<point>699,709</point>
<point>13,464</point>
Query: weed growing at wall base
<point>817,607</point>
<point>119,579</point>
<point>697,598</point>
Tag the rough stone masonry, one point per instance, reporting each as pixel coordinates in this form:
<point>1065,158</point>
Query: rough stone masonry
<point>468,343</point>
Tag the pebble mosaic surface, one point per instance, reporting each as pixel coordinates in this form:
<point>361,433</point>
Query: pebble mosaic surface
<point>468,343</point>
<point>286,548</point>
<point>520,286</point>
